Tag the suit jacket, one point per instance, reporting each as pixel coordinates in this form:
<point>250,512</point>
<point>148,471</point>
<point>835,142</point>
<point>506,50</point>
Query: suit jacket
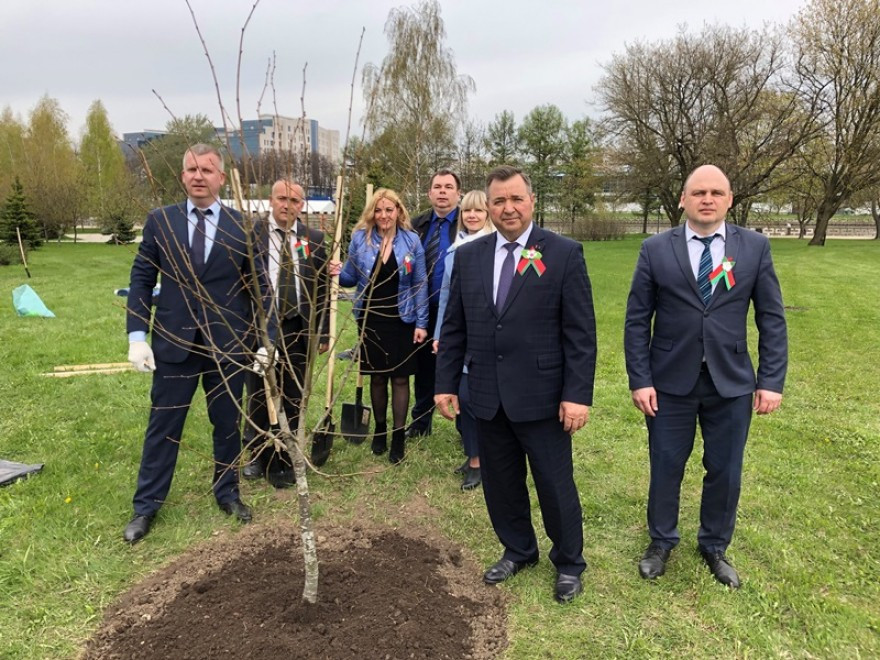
<point>215,299</point>
<point>421,223</point>
<point>539,350</point>
<point>312,272</point>
<point>668,356</point>
<point>412,289</point>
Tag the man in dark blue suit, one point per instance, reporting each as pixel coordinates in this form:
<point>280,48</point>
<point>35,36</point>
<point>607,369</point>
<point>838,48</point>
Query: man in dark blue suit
<point>687,359</point>
<point>520,317</point>
<point>436,228</point>
<point>202,329</point>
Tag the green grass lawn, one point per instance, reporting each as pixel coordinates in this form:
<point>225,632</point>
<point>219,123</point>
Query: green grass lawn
<point>807,544</point>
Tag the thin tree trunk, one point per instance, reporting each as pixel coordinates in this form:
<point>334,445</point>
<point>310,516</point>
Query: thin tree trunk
<point>823,217</point>
<point>875,212</point>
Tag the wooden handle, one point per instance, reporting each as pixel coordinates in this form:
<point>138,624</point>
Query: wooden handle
<point>270,403</point>
<point>334,293</point>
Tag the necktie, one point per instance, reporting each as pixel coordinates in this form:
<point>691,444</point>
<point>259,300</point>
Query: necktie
<point>705,268</point>
<point>287,298</point>
<point>432,249</point>
<point>198,239</point>
<point>505,279</point>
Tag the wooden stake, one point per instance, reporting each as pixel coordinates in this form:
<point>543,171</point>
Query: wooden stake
<point>21,249</point>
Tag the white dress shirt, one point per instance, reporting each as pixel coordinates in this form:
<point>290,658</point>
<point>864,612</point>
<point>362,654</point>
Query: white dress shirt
<point>501,255</point>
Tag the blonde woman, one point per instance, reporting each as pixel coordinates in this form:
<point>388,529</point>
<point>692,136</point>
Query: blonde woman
<point>386,262</point>
<point>473,222</point>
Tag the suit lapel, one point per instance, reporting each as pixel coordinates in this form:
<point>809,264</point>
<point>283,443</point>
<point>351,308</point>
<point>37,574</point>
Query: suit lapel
<point>224,239</point>
<point>731,247</point>
<point>680,249</point>
<point>487,271</point>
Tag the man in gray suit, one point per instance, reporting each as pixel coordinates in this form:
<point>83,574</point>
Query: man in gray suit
<point>687,360</point>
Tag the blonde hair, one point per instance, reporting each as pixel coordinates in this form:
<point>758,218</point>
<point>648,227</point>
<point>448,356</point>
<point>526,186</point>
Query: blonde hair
<point>367,221</point>
<point>474,200</point>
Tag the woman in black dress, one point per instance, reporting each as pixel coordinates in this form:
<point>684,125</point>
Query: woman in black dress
<point>386,262</point>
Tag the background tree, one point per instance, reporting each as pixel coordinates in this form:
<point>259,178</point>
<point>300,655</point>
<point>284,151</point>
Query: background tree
<point>51,172</point>
<point>415,100</point>
<point>17,215</point>
<point>839,63</point>
<point>502,140</point>
<point>11,150</point>
<point>103,165</point>
<point>579,167</point>
<point>542,141</point>
<point>471,156</point>
<point>722,97</point>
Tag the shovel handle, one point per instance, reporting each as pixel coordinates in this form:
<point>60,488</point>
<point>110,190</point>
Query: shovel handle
<point>270,403</point>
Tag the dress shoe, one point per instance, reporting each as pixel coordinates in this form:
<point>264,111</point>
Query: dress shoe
<point>380,440</point>
<point>415,432</point>
<point>504,569</point>
<point>721,568</point>
<point>653,563</point>
<point>236,508</point>
<point>281,478</point>
<point>472,478</point>
<point>137,528</point>
<point>398,446</point>
<point>567,587</point>
<point>461,469</point>
<point>256,468</point>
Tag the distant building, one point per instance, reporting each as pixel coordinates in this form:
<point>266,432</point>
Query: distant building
<point>283,135</point>
<point>132,142</point>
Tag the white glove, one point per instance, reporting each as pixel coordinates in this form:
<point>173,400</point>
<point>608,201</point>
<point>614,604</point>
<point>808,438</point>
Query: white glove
<point>141,356</point>
<point>262,361</point>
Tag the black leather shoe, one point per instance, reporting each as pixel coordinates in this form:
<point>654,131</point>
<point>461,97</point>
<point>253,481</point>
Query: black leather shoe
<point>472,479</point>
<point>238,509</point>
<point>504,569</point>
<point>461,469</point>
<point>256,468</point>
<point>653,563</point>
<point>721,568</point>
<point>380,440</point>
<point>281,478</point>
<point>567,587</point>
<point>398,446</point>
<point>137,528</point>
<point>414,432</point>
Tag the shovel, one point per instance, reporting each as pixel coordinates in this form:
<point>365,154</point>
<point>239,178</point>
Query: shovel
<point>322,441</point>
<point>355,420</point>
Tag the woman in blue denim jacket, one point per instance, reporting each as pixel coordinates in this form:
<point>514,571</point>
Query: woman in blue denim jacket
<point>386,262</point>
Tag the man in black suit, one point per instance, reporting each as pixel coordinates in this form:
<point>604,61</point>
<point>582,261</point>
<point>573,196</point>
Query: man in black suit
<point>202,329</point>
<point>520,317</point>
<point>436,228</point>
<point>687,360</point>
<point>295,258</point>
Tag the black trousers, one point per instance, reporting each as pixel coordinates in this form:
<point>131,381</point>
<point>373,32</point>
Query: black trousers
<point>423,407</point>
<point>725,426</point>
<point>174,385</point>
<point>505,447</point>
<point>290,371</point>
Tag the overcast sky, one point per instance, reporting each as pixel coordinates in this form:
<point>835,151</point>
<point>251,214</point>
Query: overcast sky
<point>520,53</point>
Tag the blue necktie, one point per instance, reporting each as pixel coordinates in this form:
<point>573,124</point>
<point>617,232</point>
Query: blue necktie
<point>505,278</point>
<point>432,249</point>
<point>705,268</point>
<point>198,239</point>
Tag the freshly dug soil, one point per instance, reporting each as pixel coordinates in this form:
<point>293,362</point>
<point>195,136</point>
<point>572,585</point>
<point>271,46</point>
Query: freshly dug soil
<point>382,593</point>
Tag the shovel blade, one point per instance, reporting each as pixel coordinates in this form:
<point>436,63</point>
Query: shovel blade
<point>355,422</point>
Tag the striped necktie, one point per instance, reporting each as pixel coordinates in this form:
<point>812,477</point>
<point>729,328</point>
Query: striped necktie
<point>198,239</point>
<point>705,268</point>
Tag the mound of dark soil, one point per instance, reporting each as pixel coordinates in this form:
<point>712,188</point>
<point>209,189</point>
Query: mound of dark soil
<point>382,593</point>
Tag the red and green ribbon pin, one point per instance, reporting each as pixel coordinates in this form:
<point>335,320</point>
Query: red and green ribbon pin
<point>530,257</point>
<point>302,247</point>
<point>724,271</point>
<point>407,264</point>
